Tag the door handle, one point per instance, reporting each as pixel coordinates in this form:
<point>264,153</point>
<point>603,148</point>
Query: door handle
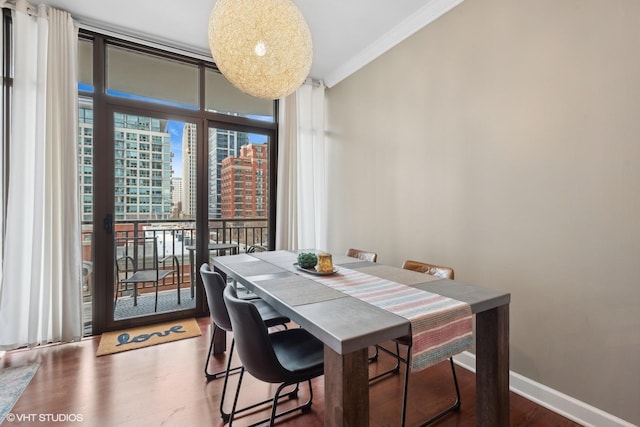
<point>107,223</point>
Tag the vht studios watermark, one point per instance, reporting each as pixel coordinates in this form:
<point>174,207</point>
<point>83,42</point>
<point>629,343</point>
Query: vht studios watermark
<point>44,418</point>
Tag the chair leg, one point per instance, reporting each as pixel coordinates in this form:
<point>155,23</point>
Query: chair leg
<point>393,370</point>
<point>115,301</point>
<point>206,363</point>
<point>455,382</point>
<point>407,362</point>
<point>456,404</point>
<point>235,399</point>
<point>135,294</point>
<point>219,374</point>
<point>178,286</point>
<point>374,357</point>
<point>227,371</point>
<point>274,406</point>
<point>304,407</point>
<point>223,414</point>
<point>407,369</point>
<point>228,416</point>
<point>155,309</point>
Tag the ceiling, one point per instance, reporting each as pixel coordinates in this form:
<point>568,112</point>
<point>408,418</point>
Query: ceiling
<point>346,34</point>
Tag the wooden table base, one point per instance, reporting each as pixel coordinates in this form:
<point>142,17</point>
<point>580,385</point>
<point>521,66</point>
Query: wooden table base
<point>346,388</point>
<point>492,367</point>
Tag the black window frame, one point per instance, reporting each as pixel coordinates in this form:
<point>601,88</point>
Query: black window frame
<point>103,103</point>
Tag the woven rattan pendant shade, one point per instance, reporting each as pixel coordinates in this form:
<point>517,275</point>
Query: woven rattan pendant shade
<point>263,47</point>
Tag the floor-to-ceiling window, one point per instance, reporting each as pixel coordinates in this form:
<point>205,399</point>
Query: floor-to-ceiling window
<point>173,159</point>
<point>5,99</point>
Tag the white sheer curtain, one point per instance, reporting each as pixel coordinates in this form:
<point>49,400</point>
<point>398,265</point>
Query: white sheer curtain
<point>301,213</point>
<point>40,295</point>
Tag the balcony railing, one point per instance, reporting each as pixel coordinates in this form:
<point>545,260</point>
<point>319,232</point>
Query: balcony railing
<point>174,236</point>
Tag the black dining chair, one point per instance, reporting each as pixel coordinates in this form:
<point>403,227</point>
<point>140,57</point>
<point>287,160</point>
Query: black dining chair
<point>433,270</point>
<point>284,357</point>
<point>214,286</point>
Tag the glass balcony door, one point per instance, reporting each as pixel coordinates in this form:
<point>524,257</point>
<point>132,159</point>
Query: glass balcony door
<point>152,234</point>
<point>145,239</point>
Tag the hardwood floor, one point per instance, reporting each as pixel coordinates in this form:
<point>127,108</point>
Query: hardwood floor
<point>165,385</point>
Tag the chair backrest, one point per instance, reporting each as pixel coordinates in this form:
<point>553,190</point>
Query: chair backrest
<point>214,287</point>
<point>256,248</point>
<point>252,339</point>
<point>432,269</point>
<point>363,255</point>
<point>136,253</point>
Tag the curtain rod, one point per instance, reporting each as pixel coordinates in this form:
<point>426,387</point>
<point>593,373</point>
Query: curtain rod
<point>313,82</point>
<point>20,6</point>
<point>140,39</point>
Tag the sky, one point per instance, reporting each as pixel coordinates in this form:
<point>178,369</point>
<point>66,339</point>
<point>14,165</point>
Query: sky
<point>175,128</point>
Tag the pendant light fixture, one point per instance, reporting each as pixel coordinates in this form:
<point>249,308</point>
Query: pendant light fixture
<point>263,47</point>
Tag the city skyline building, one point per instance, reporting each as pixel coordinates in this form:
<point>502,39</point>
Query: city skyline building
<point>222,144</point>
<point>176,190</point>
<point>244,183</point>
<point>142,166</point>
<point>176,197</point>
<point>85,160</point>
<point>189,172</point>
<point>145,183</point>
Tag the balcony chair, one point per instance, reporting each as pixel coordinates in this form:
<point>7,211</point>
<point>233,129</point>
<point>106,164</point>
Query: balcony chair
<point>363,255</point>
<point>87,269</point>
<point>137,263</point>
<point>284,357</point>
<point>214,287</point>
<point>438,271</point>
<point>256,248</point>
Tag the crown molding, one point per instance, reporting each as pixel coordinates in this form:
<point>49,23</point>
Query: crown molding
<point>423,17</point>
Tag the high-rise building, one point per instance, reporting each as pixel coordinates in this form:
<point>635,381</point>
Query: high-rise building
<point>142,166</point>
<point>85,148</point>
<point>176,196</point>
<point>189,165</point>
<point>244,183</point>
<point>176,190</point>
<point>222,144</point>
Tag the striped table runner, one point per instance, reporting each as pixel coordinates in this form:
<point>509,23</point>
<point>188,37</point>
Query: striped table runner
<point>440,326</point>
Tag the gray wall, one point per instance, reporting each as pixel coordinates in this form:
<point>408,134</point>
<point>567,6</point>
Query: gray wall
<point>504,140</point>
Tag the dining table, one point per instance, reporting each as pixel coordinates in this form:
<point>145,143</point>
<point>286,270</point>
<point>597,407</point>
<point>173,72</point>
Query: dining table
<point>348,326</point>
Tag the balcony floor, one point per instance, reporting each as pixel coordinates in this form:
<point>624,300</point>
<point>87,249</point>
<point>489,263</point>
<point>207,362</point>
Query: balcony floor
<point>167,301</point>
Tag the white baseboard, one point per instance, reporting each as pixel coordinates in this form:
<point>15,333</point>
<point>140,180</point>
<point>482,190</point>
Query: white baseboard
<point>560,403</point>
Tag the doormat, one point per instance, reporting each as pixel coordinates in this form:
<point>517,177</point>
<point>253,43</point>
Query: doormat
<point>13,381</point>
<point>145,336</point>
